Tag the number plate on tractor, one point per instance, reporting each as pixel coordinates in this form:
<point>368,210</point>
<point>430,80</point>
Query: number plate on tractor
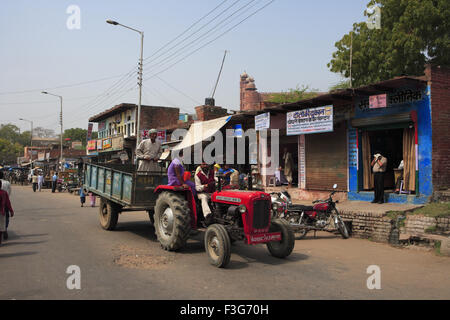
<point>263,238</point>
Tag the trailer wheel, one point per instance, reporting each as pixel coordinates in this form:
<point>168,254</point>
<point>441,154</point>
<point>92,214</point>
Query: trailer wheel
<point>109,214</point>
<point>283,248</point>
<point>172,220</point>
<point>218,245</point>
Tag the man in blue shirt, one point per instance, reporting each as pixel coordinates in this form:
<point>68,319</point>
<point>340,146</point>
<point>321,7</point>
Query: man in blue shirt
<point>54,179</point>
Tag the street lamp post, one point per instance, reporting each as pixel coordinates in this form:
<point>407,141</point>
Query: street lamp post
<point>138,126</point>
<point>61,122</point>
<point>31,140</point>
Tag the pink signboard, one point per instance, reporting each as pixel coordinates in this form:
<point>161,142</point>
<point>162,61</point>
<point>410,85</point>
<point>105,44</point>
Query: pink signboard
<point>378,101</point>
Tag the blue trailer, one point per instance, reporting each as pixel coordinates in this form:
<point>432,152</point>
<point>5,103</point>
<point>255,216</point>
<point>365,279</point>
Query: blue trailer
<point>122,188</point>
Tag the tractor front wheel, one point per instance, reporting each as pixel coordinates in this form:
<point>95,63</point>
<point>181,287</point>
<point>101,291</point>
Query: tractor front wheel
<point>283,248</point>
<point>172,220</point>
<point>217,245</point>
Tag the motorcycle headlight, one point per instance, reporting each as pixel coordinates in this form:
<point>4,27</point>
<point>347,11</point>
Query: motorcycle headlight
<point>242,208</point>
<point>275,206</point>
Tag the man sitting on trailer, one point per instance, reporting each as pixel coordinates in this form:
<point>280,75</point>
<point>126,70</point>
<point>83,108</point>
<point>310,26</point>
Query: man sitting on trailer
<point>149,151</point>
<point>205,184</point>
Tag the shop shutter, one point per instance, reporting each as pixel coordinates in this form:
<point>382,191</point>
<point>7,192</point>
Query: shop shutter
<point>326,159</point>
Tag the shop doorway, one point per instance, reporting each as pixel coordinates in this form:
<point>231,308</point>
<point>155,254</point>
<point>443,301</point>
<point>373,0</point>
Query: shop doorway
<point>390,144</point>
<point>395,144</point>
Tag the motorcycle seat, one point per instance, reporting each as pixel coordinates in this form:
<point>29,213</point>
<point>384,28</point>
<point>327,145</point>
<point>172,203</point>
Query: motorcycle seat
<point>300,207</point>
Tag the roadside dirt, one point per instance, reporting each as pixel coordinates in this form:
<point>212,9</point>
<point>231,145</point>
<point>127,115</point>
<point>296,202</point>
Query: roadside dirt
<point>134,258</point>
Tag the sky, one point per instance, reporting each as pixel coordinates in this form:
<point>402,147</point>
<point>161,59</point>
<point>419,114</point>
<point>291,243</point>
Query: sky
<point>286,44</point>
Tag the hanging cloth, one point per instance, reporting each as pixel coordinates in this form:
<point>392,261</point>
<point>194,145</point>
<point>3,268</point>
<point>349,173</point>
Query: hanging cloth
<point>409,160</point>
<point>367,158</point>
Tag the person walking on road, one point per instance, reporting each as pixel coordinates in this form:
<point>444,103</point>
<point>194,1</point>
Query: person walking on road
<point>40,181</point>
<point>92,199</point>
<point>82,196</point>
<point>54,180</point>
<point>5,207</point>
<point>5,186</point>
<point>34,181</point>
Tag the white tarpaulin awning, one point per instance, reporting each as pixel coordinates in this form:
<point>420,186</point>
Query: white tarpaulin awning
<point>200,131</point>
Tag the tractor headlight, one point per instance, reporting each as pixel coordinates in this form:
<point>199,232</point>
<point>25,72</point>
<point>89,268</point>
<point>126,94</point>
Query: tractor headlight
<point>274,206</point>
<point>242,208</point>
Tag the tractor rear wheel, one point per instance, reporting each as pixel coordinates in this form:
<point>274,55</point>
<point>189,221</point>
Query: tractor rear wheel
<point>283,248</point>
<point>109,214</point>
<point>151,216</point>
<point>217,245</point>
<point>172,220</point>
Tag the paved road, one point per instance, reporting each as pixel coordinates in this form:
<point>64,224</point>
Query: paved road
<point>51,232</point>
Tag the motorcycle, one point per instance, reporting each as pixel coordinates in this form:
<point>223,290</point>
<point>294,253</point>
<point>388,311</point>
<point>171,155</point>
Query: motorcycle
<point>303,219</point>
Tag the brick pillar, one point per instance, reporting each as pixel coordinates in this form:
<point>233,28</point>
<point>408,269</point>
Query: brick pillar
<point>440,117</point>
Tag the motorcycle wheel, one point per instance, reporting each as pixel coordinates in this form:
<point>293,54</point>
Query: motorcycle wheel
<point>342,228</point>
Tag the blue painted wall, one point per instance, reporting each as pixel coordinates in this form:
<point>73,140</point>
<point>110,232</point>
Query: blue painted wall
<point>423,109</point>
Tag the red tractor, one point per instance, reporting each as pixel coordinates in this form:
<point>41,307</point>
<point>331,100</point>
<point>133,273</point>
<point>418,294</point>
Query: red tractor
<point>237,215</point>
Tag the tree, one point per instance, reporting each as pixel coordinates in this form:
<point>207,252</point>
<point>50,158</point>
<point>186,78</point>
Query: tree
<point>413,33</point>
<point>10,132</point>
<point>9,151</point>
<point>292,95</point>
<point>76,134</point>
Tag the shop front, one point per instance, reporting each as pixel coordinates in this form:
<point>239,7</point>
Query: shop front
<point>397,124</point>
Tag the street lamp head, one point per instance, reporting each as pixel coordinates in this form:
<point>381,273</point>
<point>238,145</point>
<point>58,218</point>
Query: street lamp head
<point>44,92</point>
<point>112,22</point>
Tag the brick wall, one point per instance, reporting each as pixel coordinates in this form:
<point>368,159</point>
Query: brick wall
<point>205,113</point>
<point>440,115</point>
<point>153,117</point>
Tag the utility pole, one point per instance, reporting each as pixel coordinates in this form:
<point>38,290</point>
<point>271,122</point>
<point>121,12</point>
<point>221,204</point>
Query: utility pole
<point>61,123</point>
<point>140,71</point>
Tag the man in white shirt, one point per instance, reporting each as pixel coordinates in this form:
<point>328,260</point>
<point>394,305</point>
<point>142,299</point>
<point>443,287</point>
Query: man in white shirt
<point>40,181</point>
<point>148,152</point>
<point>6,186</point>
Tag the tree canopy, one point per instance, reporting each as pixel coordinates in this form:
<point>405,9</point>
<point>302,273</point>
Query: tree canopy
<point>413,33</point>
<point>292,95</point>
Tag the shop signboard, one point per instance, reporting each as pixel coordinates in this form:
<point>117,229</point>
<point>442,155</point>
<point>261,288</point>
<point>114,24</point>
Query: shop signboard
<point>99,144</point>
<point>92,145</point>
<point>41,156</point>
<point>77,145</point>
<point>314,120</point>
<point>117,143</point>
<point>262,121</point>
<point>162,135</point>
<point>378,101</point>
<point>89,132</point>
<point>106,143</point>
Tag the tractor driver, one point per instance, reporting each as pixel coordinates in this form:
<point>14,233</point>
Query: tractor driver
<point>205,185</point>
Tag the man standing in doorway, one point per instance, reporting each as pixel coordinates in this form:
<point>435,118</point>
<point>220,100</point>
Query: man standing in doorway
<point>149,151</point>
<point>288,166</point>
<point>379,168</point>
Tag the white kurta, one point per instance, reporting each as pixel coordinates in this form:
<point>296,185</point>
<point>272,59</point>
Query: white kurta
<point>151,149</point>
